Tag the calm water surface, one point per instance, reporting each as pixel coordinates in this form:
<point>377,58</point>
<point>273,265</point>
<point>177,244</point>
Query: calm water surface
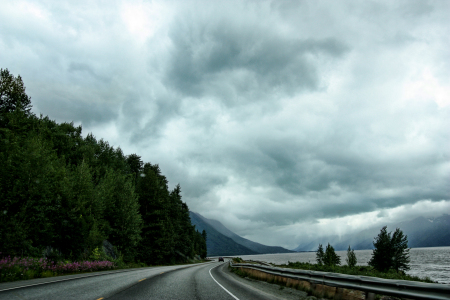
<point>432,262</point>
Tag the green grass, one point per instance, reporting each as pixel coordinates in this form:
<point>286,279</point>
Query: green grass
<point>238,272</point>
<point>357,270</point>
<point>18,268</point>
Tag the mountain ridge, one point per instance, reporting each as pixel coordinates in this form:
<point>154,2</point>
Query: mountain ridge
<point>218,227</point>
<point>218,244</point>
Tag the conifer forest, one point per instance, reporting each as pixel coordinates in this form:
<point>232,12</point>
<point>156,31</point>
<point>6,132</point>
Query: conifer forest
<point>64,194</point>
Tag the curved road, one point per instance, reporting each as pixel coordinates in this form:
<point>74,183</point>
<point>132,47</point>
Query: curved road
<point>200,281</point>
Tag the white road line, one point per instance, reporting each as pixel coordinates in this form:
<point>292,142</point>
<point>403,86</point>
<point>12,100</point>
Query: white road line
<point>221,285</point>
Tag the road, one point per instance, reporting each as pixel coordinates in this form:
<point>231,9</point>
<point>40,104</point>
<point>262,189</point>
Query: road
<point>200,281</point>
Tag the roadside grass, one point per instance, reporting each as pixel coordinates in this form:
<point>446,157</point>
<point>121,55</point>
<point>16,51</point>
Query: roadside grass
<point>23,268</point>
<point>357,270</point>
<point>281,285</point>
<point>238,260</point>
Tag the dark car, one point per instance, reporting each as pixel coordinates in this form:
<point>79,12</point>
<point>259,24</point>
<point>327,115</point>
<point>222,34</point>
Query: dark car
<point>221,259</point>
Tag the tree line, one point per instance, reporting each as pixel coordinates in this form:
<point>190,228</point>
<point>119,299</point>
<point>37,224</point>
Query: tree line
<point>390,252</point>
<point>68,193</point>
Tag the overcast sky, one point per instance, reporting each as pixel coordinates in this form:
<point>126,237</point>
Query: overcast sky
<point>284,120</point>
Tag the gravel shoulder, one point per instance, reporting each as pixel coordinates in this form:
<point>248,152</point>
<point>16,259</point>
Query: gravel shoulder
<point>275,290</point>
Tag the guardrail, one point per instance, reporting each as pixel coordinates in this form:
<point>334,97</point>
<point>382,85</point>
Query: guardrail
<point>370,285</point>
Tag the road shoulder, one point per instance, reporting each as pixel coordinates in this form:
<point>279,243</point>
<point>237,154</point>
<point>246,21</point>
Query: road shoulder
<point>275,290</point>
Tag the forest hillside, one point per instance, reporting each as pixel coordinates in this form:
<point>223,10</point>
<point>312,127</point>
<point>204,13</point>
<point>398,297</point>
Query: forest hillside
<point>62,195</point>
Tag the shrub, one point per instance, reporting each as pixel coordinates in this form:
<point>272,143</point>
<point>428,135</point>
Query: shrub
<point>29,274</point>
<point>26,268</point>
<point>351,257</point>
<point>47,274</point>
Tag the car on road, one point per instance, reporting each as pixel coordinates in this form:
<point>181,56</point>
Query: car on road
<point>221,259</point>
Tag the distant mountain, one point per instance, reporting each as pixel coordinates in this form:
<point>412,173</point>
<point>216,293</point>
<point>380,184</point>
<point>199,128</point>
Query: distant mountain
<point>257,247</point>
<point>217,227</point>
<point>433,232</point>
<point>421,232</point>
<point>218,244</point>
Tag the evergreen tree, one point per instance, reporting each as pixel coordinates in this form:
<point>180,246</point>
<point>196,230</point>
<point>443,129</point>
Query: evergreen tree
<point>65,138</point>
<point>203,252</point>
<point>12,93</point>
<point>123,222</point>
<point>29,173</point>
<point>381,255</point>
<point>330,257</point>
<point>390,252</point>
<point>320,255</point>
<point>135,165</point>
<point>60,190</point>
<point>81,212</point>
<point>400,255</point>
<point>157,233</point>
<point>204,234</point>
<point>351,257</point>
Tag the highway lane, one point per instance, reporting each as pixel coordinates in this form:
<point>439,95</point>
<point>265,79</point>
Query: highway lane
<point>201,281</point>
<point>85,288</point>
<point>196,283</point>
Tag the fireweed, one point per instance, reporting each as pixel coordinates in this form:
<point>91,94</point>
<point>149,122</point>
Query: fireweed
<point>18,268</point>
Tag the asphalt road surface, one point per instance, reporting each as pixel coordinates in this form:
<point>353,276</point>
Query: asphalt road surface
<point>200,281</point>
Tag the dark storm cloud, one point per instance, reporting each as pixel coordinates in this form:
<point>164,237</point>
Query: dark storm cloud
<point>223,60</point>
<point>206,52</point>
<point>146,124</point>
<point>200,185</point>
<point>281,119</point>
<point>89,114</point>
<point>301,166</point>
<point>332,177</point>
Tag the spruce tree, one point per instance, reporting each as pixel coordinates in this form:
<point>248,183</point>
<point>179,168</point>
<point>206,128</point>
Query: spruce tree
<point>390,252</point>
<point>12,93</point>
<point>320,255</point>
<point>381,255</point>
<point>400,258</point>
<point>331,258</point>
<point>351,258</point>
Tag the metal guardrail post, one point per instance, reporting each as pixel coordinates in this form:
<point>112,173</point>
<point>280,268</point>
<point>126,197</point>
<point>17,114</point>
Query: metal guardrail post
<point>370,296</point>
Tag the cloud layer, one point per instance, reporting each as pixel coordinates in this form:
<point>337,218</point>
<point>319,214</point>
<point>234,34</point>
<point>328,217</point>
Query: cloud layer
<point>282,119</point>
